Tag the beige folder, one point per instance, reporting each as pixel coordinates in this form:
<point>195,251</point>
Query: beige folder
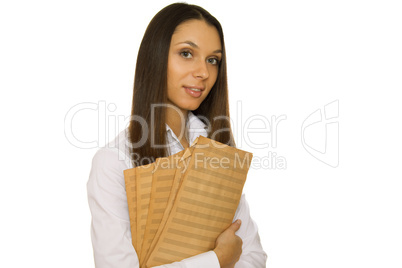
<point>164,179</point>
<point>188,200</point>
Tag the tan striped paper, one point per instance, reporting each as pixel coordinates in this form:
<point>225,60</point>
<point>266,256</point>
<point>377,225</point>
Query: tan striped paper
<point>163,179</point>
<point>190,200</point>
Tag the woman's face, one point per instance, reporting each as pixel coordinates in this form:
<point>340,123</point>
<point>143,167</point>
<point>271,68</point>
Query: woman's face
<point>194,56</point>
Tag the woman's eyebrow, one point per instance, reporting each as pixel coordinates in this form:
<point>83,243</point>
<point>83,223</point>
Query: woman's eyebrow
<point>194,45</point>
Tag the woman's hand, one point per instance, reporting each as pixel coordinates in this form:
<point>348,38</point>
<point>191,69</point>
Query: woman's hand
<point>228,246</point>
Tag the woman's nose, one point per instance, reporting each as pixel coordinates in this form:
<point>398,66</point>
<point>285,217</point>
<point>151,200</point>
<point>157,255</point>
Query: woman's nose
<point>201,70</point>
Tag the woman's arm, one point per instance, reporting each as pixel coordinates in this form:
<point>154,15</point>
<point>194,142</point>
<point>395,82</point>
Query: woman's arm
<point>239,239</point>
<point>110,228</point>
<point>253,255</point>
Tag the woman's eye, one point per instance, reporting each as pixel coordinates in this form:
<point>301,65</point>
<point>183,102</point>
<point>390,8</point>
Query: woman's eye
<point>186,54</point>
<point>213,61</point>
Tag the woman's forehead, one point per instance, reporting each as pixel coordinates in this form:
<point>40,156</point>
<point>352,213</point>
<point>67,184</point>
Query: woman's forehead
<point>197,32</point>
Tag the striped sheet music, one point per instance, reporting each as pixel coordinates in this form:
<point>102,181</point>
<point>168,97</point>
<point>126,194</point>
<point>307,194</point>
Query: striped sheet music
<point>205,203</point>
<point>164,173</point>
<point>131,192</point>
<point>179,204</point>
<point>144,185</point>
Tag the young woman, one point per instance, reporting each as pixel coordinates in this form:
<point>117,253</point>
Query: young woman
<point>180,92</point>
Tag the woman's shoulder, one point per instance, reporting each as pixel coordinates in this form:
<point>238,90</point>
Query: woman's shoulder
<point>109,163</point>
<point>112,159</point>
<point>116,152</point>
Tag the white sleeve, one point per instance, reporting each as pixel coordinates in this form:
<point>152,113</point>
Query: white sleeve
<point>110,228</point>
<point>253,255</point>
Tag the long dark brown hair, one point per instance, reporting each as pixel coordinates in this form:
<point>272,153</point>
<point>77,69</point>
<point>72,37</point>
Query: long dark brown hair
<point>150,86</point>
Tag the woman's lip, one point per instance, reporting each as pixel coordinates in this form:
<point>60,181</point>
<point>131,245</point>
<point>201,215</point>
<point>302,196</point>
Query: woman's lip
<point>192,93</point>
<point>196,87</point>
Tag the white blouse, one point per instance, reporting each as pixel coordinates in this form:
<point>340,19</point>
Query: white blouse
<point>110,228</point>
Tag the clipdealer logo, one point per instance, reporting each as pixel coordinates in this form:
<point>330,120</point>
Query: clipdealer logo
<point>320,134</point>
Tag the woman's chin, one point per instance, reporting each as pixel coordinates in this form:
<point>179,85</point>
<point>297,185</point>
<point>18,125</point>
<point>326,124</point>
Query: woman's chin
<point>189,106</point>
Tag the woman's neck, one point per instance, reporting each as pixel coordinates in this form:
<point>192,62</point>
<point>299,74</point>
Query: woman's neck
<point>176,119</point>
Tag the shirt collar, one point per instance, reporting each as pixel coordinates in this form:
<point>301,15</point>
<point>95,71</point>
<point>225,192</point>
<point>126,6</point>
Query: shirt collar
<point>195,128</point>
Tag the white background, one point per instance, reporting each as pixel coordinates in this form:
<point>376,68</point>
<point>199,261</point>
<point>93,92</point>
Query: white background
<point>284,58</point>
